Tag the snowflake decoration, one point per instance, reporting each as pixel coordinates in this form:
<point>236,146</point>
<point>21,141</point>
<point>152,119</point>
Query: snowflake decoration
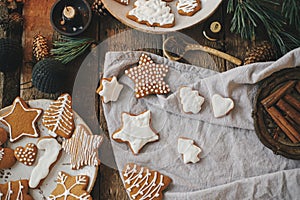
<point>71,187</point>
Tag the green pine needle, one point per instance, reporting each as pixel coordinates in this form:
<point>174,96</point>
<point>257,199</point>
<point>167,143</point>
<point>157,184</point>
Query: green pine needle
<point>291,11</point>
<point>66,49</point>
<point>249,15</point>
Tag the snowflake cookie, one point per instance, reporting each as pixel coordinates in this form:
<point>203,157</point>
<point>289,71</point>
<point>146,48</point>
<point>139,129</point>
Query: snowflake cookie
<point>148,77</point>
<point>189,150</point>
<point>70,187</point>
<point>136,131</point>
<point>143,183</point>
<point>109,89</point>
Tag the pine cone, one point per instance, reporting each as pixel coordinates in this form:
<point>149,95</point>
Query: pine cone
<point>15,21</point>
<point>40,48</point>
<point>98,8</point>
<point>260,53</point>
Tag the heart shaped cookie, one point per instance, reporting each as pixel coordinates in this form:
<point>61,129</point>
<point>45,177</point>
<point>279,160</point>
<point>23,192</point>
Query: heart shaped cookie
<point>27,154</point>
<point>221,106</point>
<point>7,158</point>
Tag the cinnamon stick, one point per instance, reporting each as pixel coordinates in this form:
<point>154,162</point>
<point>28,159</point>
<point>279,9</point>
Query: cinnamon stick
<point>292,101</point>
<point>275,96</point>
<point>289,110</point>
<point>292,134</point>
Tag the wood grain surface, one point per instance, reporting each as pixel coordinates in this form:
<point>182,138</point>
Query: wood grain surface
<point>108,185</point>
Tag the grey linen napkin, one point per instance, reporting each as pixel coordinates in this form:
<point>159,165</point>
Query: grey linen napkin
<point>234,163</point>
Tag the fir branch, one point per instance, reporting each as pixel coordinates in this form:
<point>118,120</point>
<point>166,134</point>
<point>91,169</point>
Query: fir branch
<point>291,11</point>
<point>248,15</point>
<point>66,49</point>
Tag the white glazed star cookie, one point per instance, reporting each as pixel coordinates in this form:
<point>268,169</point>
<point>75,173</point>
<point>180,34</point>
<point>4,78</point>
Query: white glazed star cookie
<point>136,131</point>
<point>109,89</point>
<point>191,100</point>
<point>190,152</point>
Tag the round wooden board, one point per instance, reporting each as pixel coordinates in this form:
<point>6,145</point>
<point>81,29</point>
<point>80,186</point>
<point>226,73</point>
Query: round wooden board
<point>265,127</point>
<point>119,11</point>
<point>21,171</point>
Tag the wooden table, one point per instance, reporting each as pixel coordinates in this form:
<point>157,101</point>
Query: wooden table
<point>108,184</point>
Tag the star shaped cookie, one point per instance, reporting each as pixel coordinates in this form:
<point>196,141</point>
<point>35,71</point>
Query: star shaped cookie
<point>148,77</point>
<point>21,120</point>
<point>109,89</point>
<point>83,147</point>
<point>136,131</point>
<point>70,187</point>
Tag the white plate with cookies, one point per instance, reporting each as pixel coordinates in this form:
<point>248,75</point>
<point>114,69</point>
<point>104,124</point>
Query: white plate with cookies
<point>120,11</point>
<point>20,171</point>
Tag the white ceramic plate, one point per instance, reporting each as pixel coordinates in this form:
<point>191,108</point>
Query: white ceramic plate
<point>119,11</point>
<point>21,171</point>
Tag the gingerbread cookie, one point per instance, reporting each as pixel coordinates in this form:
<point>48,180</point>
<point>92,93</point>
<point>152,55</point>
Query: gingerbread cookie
<point>21,120</point>
<point>143,183</point>
<point>152,13</point>
<point>70,187</point>
<point>3,136</point>
<point>109,89</point>
<point>7,158</point>
<point>27,154</point>
<point>124,2</point>
<point>15,190</point>
<point>41,170</point>
<point>221,106</point>
<point>136,131</point>
<point>188,7</point>
<point>148,77</point>
<point>189,150</point>
<point>83,147</point>
<point>191,100</point>
<point>58,118</point>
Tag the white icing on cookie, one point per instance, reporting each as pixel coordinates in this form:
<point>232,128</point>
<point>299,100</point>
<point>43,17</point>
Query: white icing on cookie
<point>82,147</point>
<point>187,6</point>
<point>153,12</point>
<point>191,100</point>
<point>26,155</point>
<point>10,189</point>
<point>34,131</point>
<point>221,106</point>
<point>74,190</point>
<point>148,77</point>
<point>1,153</point>
<point>136,131</point>
<point>189,150</point>
<point>42,169</point>
<point>111,90</point>
<point>59,116</point>
<point>141,179</point>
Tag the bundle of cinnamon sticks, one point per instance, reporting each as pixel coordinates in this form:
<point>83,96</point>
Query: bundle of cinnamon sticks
<point>283,106</point>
